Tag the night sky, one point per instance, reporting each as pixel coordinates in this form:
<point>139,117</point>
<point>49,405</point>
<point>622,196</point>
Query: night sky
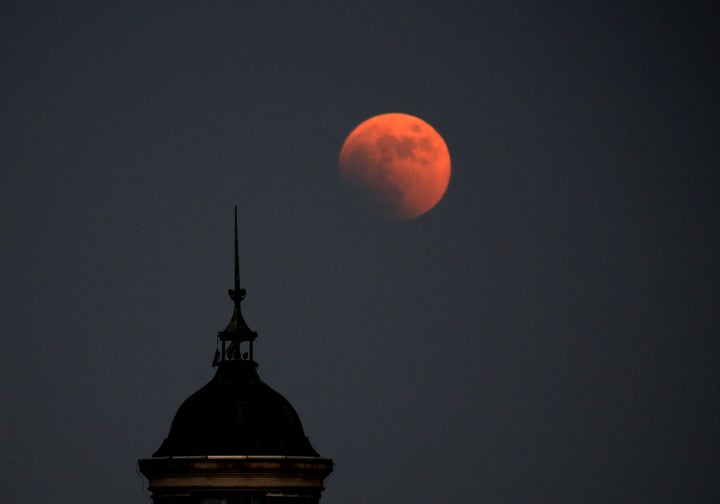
<point>548,333</point>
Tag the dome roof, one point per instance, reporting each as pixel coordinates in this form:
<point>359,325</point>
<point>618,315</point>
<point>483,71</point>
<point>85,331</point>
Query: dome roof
<point>236,413</point>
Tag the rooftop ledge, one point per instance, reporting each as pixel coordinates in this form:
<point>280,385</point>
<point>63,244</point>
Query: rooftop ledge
<point>236,457</point>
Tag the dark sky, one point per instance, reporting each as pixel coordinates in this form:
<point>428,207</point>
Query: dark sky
<point>548,333</point>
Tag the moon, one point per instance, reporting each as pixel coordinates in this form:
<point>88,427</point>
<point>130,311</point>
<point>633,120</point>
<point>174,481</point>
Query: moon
<point>398,162</point>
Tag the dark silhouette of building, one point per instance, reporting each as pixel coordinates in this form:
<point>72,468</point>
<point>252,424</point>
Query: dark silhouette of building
<point>236,440</point>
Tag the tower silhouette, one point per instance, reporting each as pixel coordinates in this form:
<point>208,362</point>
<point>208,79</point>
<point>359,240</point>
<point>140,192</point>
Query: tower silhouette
<point>236,440</point>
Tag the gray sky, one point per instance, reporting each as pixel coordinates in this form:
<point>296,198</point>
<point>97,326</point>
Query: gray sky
<point>548,333</point>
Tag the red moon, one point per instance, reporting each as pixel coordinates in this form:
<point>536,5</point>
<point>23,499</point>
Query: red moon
<point>398,162</point>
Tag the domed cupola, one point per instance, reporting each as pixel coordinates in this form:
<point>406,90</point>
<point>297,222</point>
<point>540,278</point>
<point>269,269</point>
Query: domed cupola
<point>236,436</point>
<point>236,412</point>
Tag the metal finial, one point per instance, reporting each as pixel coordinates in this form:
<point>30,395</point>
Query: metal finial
<point>237,256</point>
<point>237,294</point>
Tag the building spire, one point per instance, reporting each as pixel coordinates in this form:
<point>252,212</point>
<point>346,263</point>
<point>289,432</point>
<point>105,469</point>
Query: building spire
<point>237,330</point>
<point>237,261</point>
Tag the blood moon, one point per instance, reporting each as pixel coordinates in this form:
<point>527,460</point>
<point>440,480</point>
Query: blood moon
<point>398,162</point>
